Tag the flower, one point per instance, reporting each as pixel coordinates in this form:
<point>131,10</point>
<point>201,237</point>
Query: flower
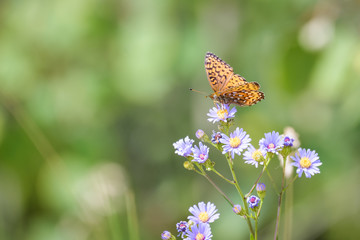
<point>205,213</point>
<point>199,232</point>
<point>183,146</point>
<point>199,133</point>
<point>288,142</point>
<point>215,137</point>
<point>236,143</point>
<point>253,201</point>
<point>307,162</point>
<point>201,153</point>
<point>254,156</point>
<point>221,113</point>
<point>273,142</point>
<point>165,235</point>
<point>182,227</point>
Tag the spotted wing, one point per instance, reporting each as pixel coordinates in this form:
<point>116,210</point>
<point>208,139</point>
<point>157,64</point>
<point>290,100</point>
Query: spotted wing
<point>242,97</point>
<point>217,71</point>
<point>235,81</point>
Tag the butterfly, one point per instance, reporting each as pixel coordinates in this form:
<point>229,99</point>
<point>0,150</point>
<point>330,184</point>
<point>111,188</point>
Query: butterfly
<point>230,88</point>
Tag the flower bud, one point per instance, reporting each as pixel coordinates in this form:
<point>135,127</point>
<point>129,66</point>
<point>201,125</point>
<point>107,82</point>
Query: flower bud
<point>189,165</point>
<point>199,133</point>
<point>261,190</point>
<point>238,210</point>
<point>166,235</point>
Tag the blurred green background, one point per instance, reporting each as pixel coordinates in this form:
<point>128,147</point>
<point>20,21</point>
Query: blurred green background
<point>93,94</point>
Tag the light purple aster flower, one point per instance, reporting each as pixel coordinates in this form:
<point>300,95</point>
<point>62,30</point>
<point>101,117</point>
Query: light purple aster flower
<point>236,143</point>
<point>183,146</point>
<point>253,201</point>
<point>204,213</point>
<point>273,142</point>
<point>182,227</point>
<point>165,235</point>
<point>288,142</point>
<point>307,162</point>
<point>200,231</point>
<point>254,156</point>
<point>221,113</point>
<point>201,153</point>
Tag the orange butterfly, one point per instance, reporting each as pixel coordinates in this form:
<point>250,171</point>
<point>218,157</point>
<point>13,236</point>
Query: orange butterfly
<point>230,88</point>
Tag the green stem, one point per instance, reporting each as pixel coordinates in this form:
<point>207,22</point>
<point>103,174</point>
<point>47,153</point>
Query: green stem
<point>272,181</point>
<point>218,189</point>
<point>267,161</point>
<point>220,175</point>
<point>256,228</point>
<point>279,202</point>
<point>291,182</point>
<point>229,160</point>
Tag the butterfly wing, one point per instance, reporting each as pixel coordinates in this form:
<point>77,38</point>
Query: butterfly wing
<point>217,71</point>
<point>235,81</point>
<point>242,97</point>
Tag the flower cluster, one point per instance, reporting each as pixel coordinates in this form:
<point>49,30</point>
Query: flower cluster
<point>238,141</point>
<point>198,226</point>
<point>233,144</point>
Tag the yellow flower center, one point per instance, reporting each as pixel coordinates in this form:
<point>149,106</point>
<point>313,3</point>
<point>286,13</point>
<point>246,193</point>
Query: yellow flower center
<point>234,142</point>
<point>199,236</point>
<point>204,217</point>
<point>271,145</point>
<point>202,156</point>
<point>256,155</point>
<point>222,113</point>
<point>305,162</point>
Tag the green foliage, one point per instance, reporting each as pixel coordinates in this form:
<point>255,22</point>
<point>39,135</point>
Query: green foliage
<point>94,93</point>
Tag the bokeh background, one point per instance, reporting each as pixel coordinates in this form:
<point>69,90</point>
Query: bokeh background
<point>94,92</point>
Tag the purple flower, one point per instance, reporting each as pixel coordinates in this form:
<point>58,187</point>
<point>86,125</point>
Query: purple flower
<point>215,137</point>
<point>288,142</point>
<point>166,235</point>
<point>254,156</point>
<point>253,201</point>
<point>273,142</point>
<point>199,232</point>
<point>183,146</point>
<point>201,153</point>
<point>199,133</point>
<point>182,227</point>
<point>307,162</point>
<point>204,213</point>
<point>221,113</point>
<point>236,143</point>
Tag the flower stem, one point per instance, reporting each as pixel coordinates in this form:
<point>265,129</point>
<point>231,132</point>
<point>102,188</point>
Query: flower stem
<point>218,189</point>
<point>279,203</point>
<point>291,182</point>
<point>258,179</point>
<point>220,175</point>
<point>236,184</point>
<point>272,181</point>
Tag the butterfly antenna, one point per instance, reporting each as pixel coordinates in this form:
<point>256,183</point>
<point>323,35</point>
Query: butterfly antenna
<point>203,93</point>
